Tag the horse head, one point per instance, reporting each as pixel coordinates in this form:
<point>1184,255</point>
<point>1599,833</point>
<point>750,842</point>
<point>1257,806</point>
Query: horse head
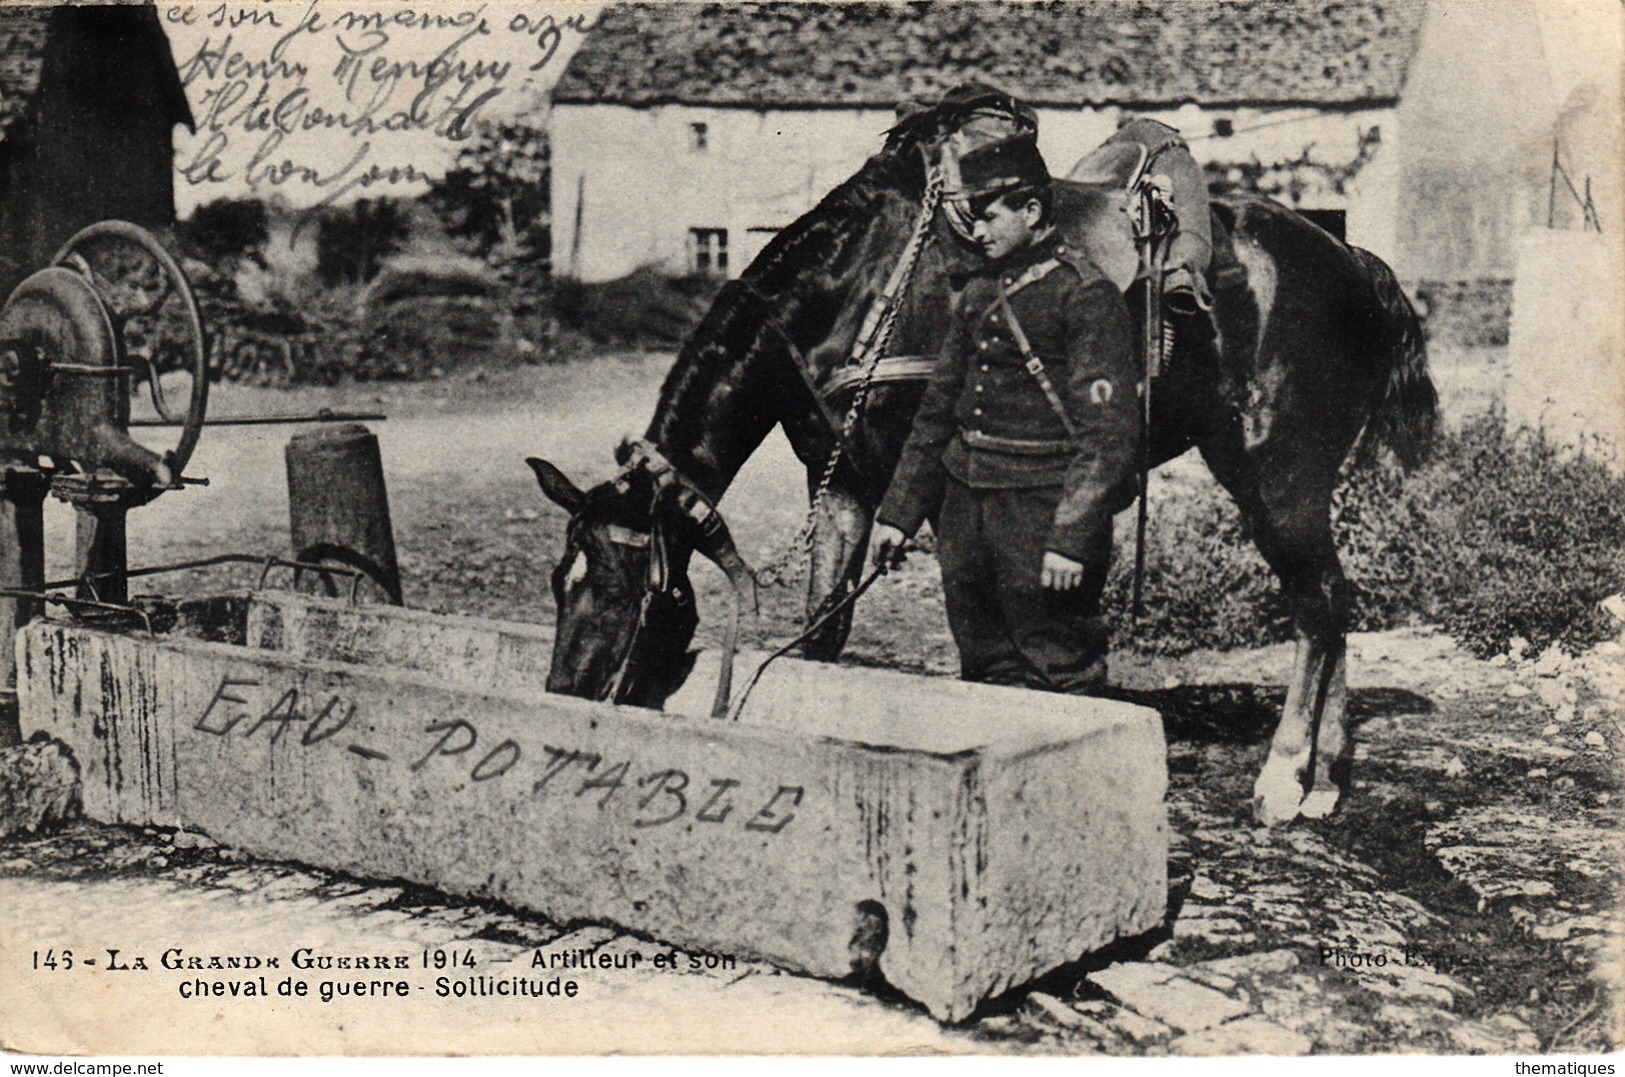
<point>626,612</point>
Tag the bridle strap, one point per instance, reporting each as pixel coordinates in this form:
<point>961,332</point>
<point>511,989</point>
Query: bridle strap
<point>693,503</point>
<point>617,682</point>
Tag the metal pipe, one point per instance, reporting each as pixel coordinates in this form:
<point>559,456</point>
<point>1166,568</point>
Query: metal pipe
<point>267,563</point>
<point>323,416</point>
<point>103,552</point>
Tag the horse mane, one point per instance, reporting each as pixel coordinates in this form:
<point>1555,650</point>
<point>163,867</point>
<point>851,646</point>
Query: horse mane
<point>813,237</point>
<point>794,263</point>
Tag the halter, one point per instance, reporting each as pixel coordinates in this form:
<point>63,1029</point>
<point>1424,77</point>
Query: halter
<point>658,588</point>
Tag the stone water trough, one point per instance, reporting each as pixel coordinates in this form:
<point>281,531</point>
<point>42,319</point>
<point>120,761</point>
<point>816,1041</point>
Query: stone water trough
<point>958,839</point>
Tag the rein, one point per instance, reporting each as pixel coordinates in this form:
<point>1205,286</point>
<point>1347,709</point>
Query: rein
<point>867,350</point>
<point>846,600</point>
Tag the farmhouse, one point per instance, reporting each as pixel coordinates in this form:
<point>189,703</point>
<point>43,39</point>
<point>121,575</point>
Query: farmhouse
<point>89,98</point>
<point>684,135</point>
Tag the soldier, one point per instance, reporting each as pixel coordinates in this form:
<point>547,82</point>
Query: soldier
<point>1025,438</point>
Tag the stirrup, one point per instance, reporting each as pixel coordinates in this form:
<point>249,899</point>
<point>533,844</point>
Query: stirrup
<point>1184,293</point>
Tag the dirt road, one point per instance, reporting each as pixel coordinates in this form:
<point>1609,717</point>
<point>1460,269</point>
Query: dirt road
<point>1464,899</point>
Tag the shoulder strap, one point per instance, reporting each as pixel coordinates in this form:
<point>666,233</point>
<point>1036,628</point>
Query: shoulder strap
<point>1031,275</point>
<point>1035,365</point>
<point>1034,273</point>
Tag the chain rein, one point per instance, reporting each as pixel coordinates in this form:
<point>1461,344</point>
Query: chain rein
<point>872,346</point>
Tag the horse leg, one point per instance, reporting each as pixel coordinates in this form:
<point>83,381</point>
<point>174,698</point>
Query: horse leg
<point>1313,727</point>
<point>1333,745</point>
<point>1292,528</point>
<point>839,539</point>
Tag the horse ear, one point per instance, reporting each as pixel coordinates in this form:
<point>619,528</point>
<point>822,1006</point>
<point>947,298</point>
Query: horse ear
<point>559,489</point>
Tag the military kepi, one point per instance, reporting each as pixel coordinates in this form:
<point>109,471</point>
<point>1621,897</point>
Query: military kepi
<point>1002,166</point>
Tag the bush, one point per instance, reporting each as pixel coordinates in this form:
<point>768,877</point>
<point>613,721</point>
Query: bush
<point>1498,536</point>
<point>354,240</point>
<point>1527,538</point>
<point>645,307</point>
<point>1205,583</point>
<point>224,229</point>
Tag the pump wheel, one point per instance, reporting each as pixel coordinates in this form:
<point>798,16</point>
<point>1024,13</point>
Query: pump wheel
<point>155,314</point>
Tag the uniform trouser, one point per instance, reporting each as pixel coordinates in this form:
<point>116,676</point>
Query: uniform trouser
<point>1008,628</point>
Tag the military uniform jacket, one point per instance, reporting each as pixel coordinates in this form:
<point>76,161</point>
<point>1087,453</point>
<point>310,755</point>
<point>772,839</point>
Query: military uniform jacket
<point>985,418</point>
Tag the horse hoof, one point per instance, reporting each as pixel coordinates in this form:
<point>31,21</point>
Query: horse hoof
<point>1277,796</point>
<point>1274,813</point>
<point>1319,803</point>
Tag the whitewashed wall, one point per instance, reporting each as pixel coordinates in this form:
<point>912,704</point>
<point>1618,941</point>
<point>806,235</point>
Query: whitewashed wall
<point>1323,138</point>
<point>1480,99</point>
<point>1566,352</point>
<point>643,186</point>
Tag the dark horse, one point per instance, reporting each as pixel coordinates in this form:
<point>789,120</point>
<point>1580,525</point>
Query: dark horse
<point>1316,345</point>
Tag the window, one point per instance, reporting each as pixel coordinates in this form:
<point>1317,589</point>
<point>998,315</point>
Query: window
<point>756,240</point>
<point>708,252</point>
<point>1224,127</point>
<point>699,137</point>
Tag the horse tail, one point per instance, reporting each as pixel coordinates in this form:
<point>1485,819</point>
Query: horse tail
<point>1407,418</point>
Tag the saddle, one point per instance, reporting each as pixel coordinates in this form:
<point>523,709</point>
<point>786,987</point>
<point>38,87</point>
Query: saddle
<point>1092,204</point>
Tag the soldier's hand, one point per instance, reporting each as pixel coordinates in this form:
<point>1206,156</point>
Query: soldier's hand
<point>887,543</point>
<point>1061,573</point>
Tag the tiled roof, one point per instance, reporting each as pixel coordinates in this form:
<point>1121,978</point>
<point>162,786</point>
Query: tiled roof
<point>1070,52</point>
<point>23,30</point>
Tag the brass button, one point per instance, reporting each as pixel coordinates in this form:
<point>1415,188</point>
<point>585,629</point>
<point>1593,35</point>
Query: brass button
<point>976,411</point>
<point>979,388</point>
<point>984,348</point>
<point>984,368</point>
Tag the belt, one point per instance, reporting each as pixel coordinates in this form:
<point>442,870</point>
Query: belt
<point>975,439</point>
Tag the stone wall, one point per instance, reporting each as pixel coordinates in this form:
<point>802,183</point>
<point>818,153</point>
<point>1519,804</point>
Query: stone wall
<point>1465,313</point>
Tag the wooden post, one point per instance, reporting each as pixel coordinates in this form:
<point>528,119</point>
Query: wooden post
<point>337,504</point>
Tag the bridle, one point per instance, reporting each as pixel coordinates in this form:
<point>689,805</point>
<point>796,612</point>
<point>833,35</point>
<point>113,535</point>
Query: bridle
<point>661,599</point>
<point>664,602</point>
